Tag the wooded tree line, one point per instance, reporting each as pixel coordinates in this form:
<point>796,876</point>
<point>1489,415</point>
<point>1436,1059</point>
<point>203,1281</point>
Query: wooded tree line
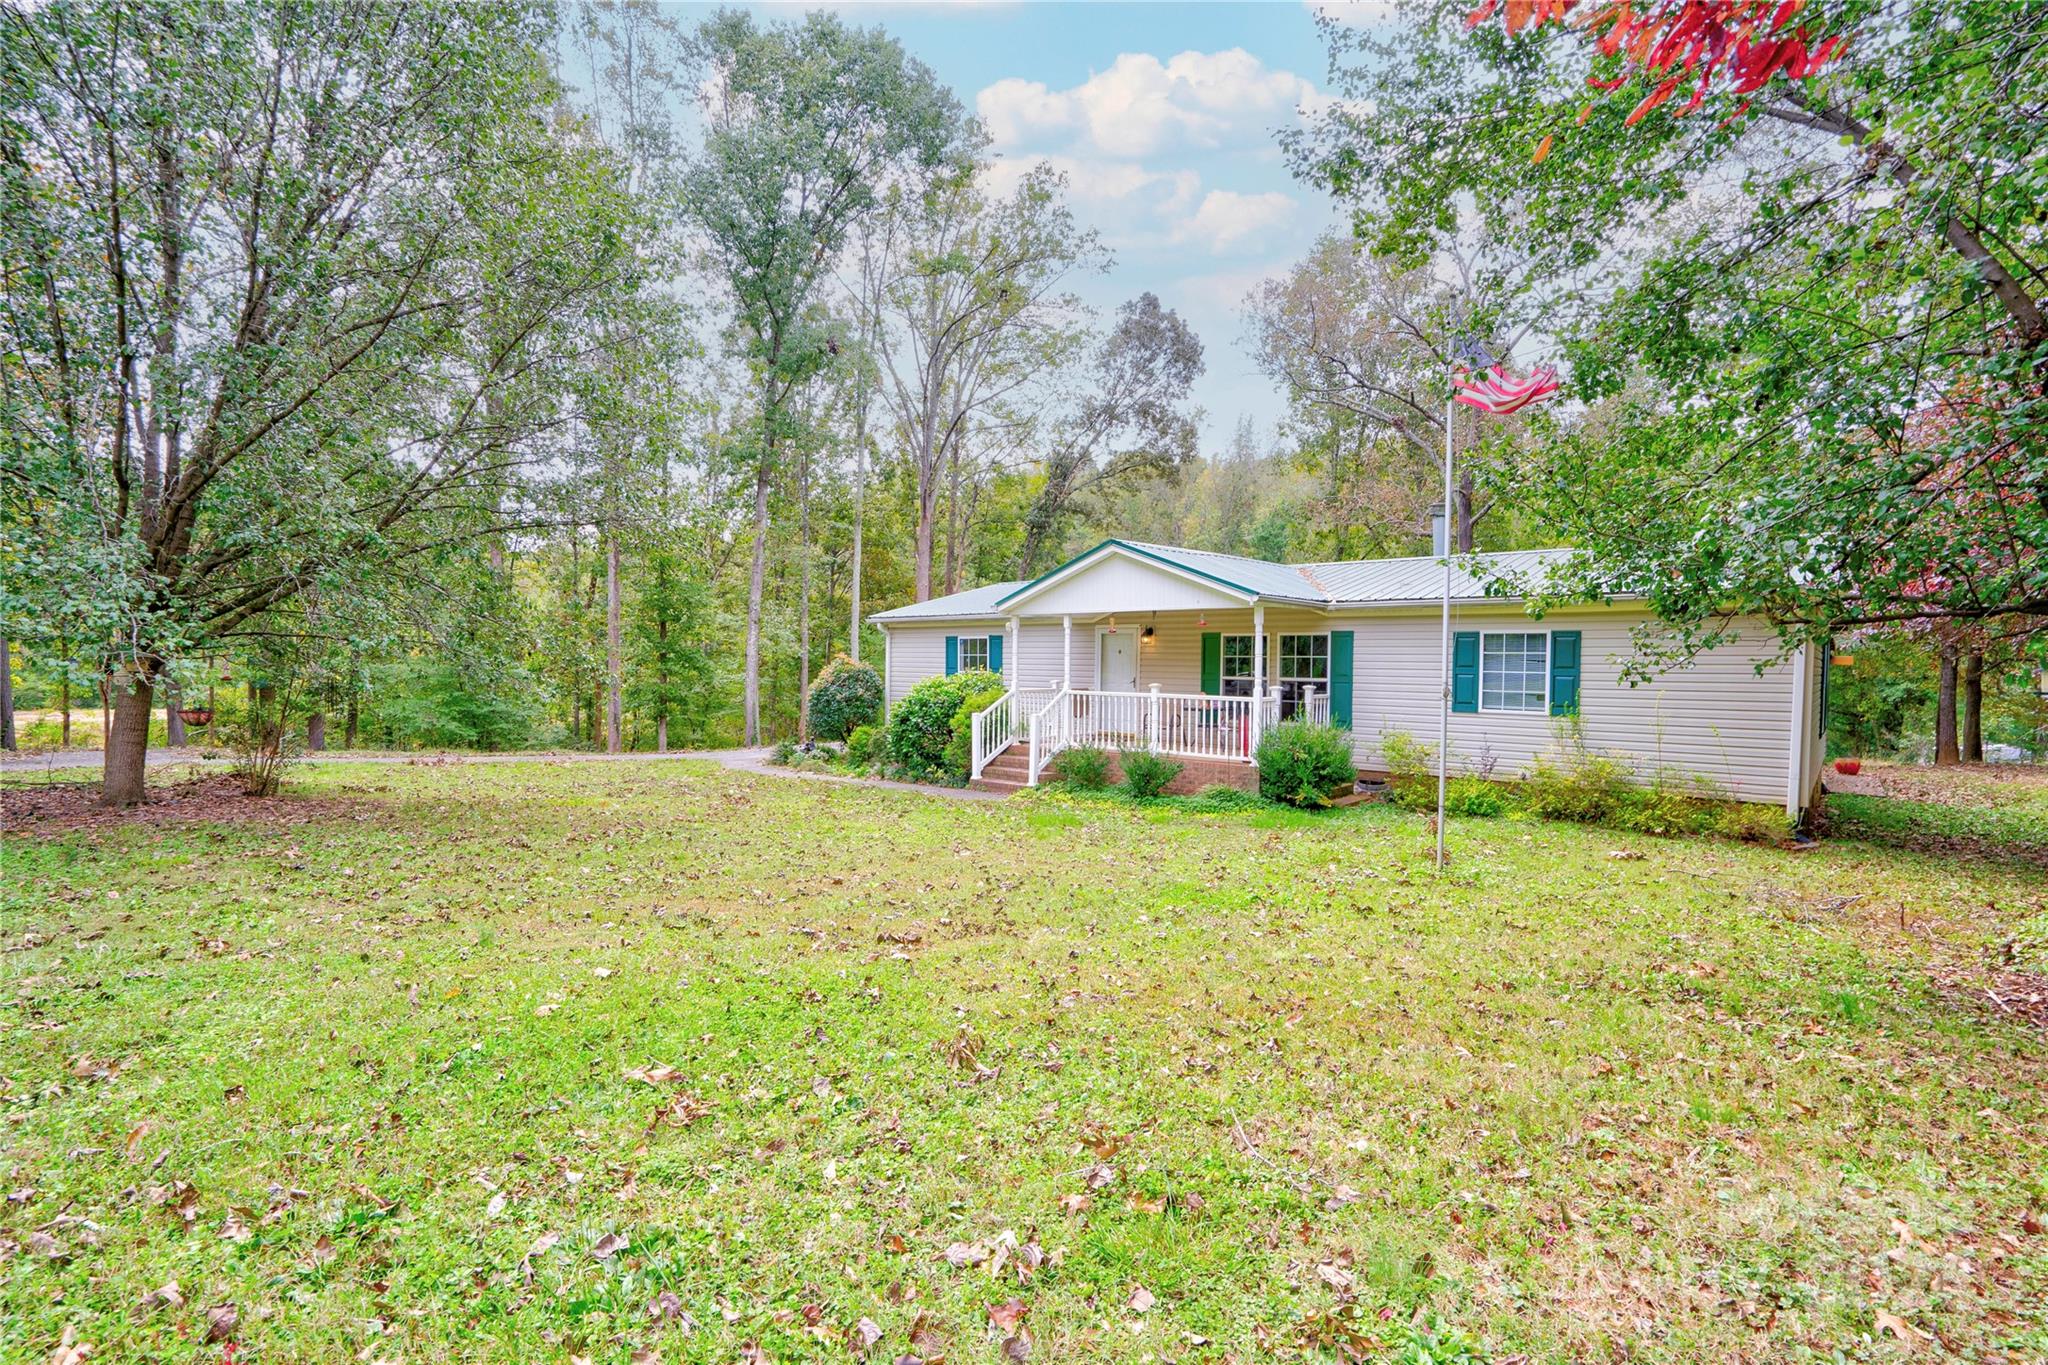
<point>515,373</point>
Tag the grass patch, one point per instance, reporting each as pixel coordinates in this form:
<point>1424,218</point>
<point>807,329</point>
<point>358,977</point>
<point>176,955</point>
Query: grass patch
<point>396,1081</point>
<point>2019,826</point>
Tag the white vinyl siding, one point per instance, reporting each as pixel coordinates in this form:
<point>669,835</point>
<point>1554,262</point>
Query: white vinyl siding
<point>1514,671</point>
<point>1715,720</point>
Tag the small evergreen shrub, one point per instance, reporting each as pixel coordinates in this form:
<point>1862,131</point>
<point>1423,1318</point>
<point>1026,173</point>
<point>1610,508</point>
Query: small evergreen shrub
<point>864,746</point>
<point>1083,767</point>
<point>1301,762</point>
<point>784,752</point>
<point>844,696</point>
<point>921,725</point>
<point>1147,774</point>
<point>959,755</point>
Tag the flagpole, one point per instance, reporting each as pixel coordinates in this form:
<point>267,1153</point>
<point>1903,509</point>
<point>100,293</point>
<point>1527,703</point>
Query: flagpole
<point>1443,715</point>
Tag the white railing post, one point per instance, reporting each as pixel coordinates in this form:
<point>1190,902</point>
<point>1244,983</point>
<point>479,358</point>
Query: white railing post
<point>1308,703</point>
<point>1152,719</point>
<point>1031,759</point>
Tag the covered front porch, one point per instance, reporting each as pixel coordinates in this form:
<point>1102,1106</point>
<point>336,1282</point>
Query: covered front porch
<point>1123,653</point>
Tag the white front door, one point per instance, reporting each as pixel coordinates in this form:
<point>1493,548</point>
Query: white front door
<point>1119,662</point>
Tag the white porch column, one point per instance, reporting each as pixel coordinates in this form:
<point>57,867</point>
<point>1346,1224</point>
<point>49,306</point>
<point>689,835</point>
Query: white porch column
<point>1258,672</point>
<point>1067,649</point>
<point>1014,664</point>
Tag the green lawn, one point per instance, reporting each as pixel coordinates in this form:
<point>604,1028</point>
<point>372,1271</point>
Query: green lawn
<point>1244,1086</point>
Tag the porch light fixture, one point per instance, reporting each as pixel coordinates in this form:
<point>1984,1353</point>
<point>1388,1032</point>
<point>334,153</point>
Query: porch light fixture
<point>1147,635</point>
<point>1112,623</point>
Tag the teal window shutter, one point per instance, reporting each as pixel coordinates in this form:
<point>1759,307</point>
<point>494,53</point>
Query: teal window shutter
<point>1564,673</point>
<point>952,655</point>
<point>1465,671</point>
<point>1340,678</point>
<point>1212,663</point>
<point>995,653</point>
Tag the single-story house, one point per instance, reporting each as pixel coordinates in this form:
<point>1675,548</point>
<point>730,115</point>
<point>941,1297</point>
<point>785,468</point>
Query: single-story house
<point>1194,653</point>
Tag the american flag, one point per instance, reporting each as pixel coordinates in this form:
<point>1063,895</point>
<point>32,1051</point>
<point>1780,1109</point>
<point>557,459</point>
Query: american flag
<point>1485,383</point>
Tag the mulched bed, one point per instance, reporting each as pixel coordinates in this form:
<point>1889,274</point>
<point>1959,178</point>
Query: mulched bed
<point>67,807</point>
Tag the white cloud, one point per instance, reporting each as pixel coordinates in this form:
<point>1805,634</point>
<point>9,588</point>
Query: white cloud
<point>1104,187</point>
<point>1141,105</point>
<point>1227,218</point>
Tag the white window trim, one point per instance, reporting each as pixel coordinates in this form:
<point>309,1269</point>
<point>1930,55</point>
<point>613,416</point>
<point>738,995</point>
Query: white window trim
<point>1273,657</point>
<point>1251,664</point>
<point>1549,648</point>
<point>961,658</point>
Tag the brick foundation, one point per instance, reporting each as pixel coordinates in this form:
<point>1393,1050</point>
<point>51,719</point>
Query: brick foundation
<point>1197,773</point>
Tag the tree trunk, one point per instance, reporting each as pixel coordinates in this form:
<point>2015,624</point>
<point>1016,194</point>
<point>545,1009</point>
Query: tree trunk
<point>757,580</point>
<point>614,668</point>
<point>953,516</point>
<point>860,467</point>
<point>661,735</point>
<point>127,753</point>
<point>803,610</point>
<point>316,732</point>
<point>1462,509</point>
<point>7,740</point>
<point>927,519</point>
<point>1945,710</point>
<point>64,705</point>
<point>174,727</point>
<point>348,732</point>
<point>1973,707</point>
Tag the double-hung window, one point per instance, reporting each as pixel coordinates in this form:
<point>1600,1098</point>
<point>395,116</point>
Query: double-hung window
<point>1514,671</point>
<point>973,652</point>
<point>1304,663</point>
<point>1236,677</point>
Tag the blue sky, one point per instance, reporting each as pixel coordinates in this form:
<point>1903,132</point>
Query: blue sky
<point>1162,116</point>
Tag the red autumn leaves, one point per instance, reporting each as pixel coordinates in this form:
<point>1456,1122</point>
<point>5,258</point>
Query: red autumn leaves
<point>1743,43</point>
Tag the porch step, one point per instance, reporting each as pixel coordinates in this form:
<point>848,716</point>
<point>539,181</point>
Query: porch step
<point>1008,771</point>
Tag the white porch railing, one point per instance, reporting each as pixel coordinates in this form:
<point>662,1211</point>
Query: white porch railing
<point>1184,724</point>
<point>1000,725</point>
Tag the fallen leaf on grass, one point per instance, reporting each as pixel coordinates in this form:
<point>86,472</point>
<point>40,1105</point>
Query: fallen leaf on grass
<point>1073,1204</point>
<point>658,1074</point>
<point>220,1321</point>
<point>608,1246</point>
<point>1337,1277</point>
<point>1905,1331</point>
<point>1006,1316</point>
<point>70,1350</point>
<point>1141,1300</point>
<point>166,1295</point>
<point>864,1336</point>
<point>961,1255</point>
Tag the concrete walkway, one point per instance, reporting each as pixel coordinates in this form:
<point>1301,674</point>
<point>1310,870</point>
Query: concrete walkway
<point>753,760</point>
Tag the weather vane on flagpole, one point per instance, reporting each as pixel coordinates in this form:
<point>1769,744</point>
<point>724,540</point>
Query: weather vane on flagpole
<point>1477,380</point>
